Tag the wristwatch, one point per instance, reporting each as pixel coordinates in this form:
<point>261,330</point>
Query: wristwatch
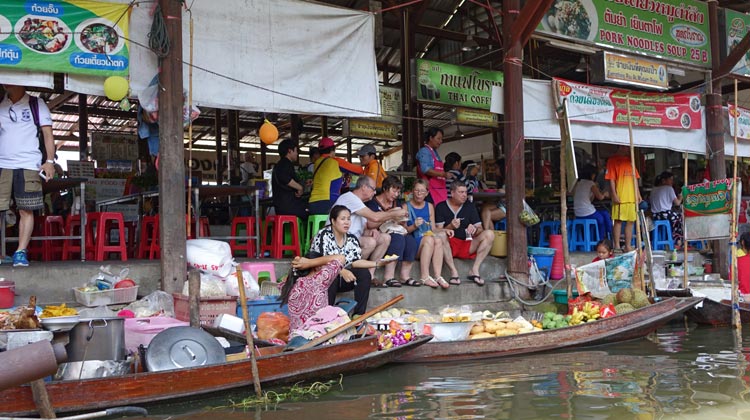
<point>50,161</point>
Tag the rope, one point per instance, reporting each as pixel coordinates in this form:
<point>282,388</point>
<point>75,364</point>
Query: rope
<point>158,40</point>
<point>518,298</point>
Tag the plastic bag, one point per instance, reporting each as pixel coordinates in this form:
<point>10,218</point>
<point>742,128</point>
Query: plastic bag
<point>252,289</point>
<point>210,256</point>
<point>527,216</point>
<point>106,279</point>
<point>148,98</point>
<point>536,276</point>
<point>157,303</point>
<point>273,325</point>
<point>606,311</point>
<point>210,286</point>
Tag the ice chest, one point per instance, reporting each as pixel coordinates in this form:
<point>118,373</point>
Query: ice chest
<point>267,304</point>
<point>141,330</point>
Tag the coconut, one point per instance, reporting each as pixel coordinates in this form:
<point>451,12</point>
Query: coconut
<point>625,296</point>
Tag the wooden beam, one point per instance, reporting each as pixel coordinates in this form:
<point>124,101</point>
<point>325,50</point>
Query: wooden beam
<point>734,57</point>
<point>528,20</point>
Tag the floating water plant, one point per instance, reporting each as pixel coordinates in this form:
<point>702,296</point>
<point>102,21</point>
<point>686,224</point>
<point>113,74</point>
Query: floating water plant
<point>296,392</point>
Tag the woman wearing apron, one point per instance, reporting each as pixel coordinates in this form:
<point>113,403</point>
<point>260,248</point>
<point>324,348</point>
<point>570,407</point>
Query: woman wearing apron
<point>430,167</point>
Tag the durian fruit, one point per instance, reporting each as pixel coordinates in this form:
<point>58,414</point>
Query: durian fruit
<point>640,299</point>
<point>610,298</point>
<point>624,308</point>
<point>625,295</point>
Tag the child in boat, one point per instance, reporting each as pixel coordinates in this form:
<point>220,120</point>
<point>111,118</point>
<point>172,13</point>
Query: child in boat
<point>603,250</point>
<point>743,266</point>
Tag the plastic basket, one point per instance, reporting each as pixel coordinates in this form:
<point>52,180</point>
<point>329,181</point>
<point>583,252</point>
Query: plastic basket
<point>210,307</point>
<point>257,307</point>
<point>106,297</point>
<point>561,296</point>
<point>269,288</point>
<point>538,250</point>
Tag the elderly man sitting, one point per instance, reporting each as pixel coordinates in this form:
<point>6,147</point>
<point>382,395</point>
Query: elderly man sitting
<point>373,243</point>
<point>468,240</point>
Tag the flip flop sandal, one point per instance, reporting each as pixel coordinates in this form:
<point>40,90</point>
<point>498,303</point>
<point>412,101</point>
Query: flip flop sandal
<point>441,281</point>
<point>476,279</point>
<point>392,283</point>
<point>429,281</point>
<point>411,282</point>
<point>454,281</point>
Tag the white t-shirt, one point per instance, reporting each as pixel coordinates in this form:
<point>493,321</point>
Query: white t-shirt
<point>354,204</point>
<point>19,145</point>
<point>662,198</point>
<point>247,170</point>
<point>582,198</point>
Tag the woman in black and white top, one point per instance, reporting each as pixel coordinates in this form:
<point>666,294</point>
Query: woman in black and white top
<point>335,239</point>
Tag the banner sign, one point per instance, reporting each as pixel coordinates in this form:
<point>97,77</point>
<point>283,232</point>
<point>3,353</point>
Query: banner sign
<point>114,146</point>
<point>74,36</point>
<point>712,197</point>
<point>635,71</point>
<point>737,25</point>
<point>391,104</point>
<point>468,116</point>
<point>449,84</point>
<point>597,104</point>
<point>742,116</point>
<point>370,129</point>
<point>80,169</point>
<point>671,29</point>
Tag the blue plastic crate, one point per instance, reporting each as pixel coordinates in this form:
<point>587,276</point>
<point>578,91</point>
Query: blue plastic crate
<point>267,304</point>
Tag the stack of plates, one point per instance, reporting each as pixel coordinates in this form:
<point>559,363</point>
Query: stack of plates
<point>60,323</point>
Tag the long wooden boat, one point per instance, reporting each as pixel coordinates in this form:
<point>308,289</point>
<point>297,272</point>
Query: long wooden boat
<point>608,330</point>
<point>140,388</point>
<point>718,313</point>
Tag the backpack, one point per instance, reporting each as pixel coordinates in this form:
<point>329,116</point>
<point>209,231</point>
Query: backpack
<point>34,105</point>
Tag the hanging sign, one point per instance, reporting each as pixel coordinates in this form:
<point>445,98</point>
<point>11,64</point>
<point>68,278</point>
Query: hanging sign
<point>75,36</point>
<point>370,129</point>
<point>635,71</point>
<point>708,208</point>
<point>449,84</point>
<point>391,104</point>
<point>737,25</point>
<point>670,29</point>
<point>597,104</point>
<point>477,117</point>
<point>742,117</point>
<point>114,146</point>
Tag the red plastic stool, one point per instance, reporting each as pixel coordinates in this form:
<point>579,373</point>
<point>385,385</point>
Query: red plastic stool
<point>240,223</point>
<point>35,249</point>
<point>203,225</point>
<point>148,245</point>
<point>52,248</point>
<point>277,246</point>
<point>104,222</point>
<point>72,246</point>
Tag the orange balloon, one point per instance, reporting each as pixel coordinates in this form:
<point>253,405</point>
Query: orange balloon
<point>268,133</point>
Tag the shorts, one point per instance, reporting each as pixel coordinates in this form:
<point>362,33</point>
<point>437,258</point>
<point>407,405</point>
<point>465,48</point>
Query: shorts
<point>624,211</point>
<point>26,186</point>
<point>460,248</point>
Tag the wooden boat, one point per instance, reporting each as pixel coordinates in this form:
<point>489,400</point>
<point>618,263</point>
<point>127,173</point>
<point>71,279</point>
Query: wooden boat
<point>608,330</point>
<point>140,388</point>
<point>718,313</point>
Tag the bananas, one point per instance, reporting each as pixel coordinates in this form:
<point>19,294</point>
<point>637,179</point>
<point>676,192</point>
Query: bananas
<point>589,313</point>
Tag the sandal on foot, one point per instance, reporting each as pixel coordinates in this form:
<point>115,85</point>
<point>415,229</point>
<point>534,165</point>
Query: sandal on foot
<point>429,281</point>
<point>441,281</point>
<point>476,279</point>
<point>454,281</point>
<point>411,282</point>
<point>392,283</point>
<point>377,283</point>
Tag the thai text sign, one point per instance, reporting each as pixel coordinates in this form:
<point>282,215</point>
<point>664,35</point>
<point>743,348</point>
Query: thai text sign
<point>737,25</point>
<point>596,104</point>
<point>450,84</point>
<point>635,70</point>
<point>74,36</point>
<point>391,104</point>
<point>370,129</point>
<point>111,146</point>
<point>671,29</point>
<point>741,117</point>
<point>478,117</point>
<point>712,197</point>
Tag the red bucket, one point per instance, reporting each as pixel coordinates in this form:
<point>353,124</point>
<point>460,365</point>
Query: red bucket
<point>7,293</point>
<point>558,263</point>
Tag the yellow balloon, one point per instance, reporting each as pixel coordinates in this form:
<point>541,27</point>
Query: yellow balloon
<point>268,133</point>
<point>116,88</point>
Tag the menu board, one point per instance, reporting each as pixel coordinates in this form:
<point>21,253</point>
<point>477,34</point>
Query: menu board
<point>80,169</point>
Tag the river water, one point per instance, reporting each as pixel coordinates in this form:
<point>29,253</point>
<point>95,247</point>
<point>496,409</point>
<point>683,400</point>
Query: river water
<point>679,372</point>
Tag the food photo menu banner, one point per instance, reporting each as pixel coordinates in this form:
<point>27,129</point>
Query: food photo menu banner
<point>672,29</point>
<point>737,25</point>
<point>742,117</point>
<point>597,104</point>
<point>76,36</point>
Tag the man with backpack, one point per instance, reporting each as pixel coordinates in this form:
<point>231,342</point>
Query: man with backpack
<point>23,161</point>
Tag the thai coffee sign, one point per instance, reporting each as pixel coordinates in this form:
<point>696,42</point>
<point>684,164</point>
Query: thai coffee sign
<point>604,105</point>
<point>76,36</point>
<point>635,71</point>
<point>737,25</point>
<point>671,29</point>
<point>449,84</point>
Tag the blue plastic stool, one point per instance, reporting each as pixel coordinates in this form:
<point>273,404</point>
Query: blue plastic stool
<point>696,244</point>
<point>584,235</point>
<point>547,228</point>
<point>662,235</point>
<point>501,225</point>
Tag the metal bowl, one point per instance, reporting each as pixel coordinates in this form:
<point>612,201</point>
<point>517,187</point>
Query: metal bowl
<point>60,323</point>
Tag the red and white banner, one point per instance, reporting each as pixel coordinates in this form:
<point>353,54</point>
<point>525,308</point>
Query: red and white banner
<point>603,105</point>
<point>742,116</point>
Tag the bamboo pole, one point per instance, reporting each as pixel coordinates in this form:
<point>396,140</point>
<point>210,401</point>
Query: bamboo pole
<point>561,111</point>
<point>190,133</point>
<point>733,233</point>
<point>635,186</point>
<point>248,333</point>
<point>684,231</point>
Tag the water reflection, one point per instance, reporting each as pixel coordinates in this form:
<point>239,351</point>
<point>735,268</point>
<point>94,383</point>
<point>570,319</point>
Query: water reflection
<point>675,373</point>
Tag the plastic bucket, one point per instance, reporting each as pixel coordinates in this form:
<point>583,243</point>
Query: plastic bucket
<point>7,293</point>
<point>500,244</point>
<point>544,258</point>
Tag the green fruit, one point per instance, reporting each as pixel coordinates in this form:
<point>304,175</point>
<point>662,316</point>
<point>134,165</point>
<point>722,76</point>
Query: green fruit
<point>640,299</point>
<point>610,298</point>
<point>624,308</point>
<point>549,315</point>
<point>558,317</point>
<point>625,296</point>
<point>568,318</point>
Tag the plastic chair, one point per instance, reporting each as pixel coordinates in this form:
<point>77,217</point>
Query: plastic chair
<point>106,222</point>
<point>47,249</point>
<point>501,225</point>
<point>315,222</point>
<point>584,235</point>
<point>72,246</point>
<point>547,228</point>
<point>662,235</point>
<point>240,224</point>
<point>277,245</point>
<point>148,246</point>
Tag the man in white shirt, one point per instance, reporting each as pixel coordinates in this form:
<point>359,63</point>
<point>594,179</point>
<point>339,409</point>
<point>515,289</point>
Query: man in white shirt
<point>247,168</point>
<point>20,160</point>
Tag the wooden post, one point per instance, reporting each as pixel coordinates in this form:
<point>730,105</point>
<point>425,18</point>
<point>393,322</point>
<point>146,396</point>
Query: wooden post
<point>83,126</point>
<point>219,153</point>
<point>171,155</point>
<point>736,321</point>
<point>635,186</point>
<point>684,230</point>
<point>41,399</point>
<point>248,332</point>
<point>194,298</point>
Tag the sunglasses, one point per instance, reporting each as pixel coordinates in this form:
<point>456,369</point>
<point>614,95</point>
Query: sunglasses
<point>12,115</point>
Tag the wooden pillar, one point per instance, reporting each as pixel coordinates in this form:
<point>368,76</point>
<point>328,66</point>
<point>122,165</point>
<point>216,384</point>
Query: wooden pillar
<point>83,126</point>
<point>323,128</point>
<point>349,149</point>
<point>219,152</point>
<point>171,155</point>
<point>263,155</point>
<point>295,125</point>
<point>233,147</point>
<point>513,145</point>
<point>410,134</point>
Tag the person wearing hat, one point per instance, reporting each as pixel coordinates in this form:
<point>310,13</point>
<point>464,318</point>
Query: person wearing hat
<point>327,179</point>
<point>430,167</point>
<point>372,168</point>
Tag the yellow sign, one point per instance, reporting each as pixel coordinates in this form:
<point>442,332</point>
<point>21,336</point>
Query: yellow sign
<point>468,116</point>
<point>635,70</point>
<point>370,129</point>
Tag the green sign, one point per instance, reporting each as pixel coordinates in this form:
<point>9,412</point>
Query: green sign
<point>737,25</point>
<point>671,29</point>
<point>449,84</point>
<point>712,197</point>
<point>75,36</point>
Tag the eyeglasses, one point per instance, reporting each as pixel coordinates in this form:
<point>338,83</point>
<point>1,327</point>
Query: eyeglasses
<point>372,187</point>
<point>420,191</point>
<point>12,115</point>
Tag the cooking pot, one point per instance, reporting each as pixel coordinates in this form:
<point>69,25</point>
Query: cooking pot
<point>93,369</point>
<point>97,339</point>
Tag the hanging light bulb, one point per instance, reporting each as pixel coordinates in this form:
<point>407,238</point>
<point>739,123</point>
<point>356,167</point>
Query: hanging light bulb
<point>470,44</point>
<point>459,133</point>
<point>582,65</point>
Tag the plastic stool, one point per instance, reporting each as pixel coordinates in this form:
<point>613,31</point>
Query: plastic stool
<point>52,248</point>
<point>545,229</point>
<point>277,245</point>
<point>72,246</point>
<point>203,225</point>
<point>581,236</point>
<point>662,235</point>
<point>240,223</point>
<point>35,249</point>
<point>698,245</point>
<point>501,225</point>
<point>256,268</point>
<point>148,246</point>
<point>104,225</point>
<point>315,222</point>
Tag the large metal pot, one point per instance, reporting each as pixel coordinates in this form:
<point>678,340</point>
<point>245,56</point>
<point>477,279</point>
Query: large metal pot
<point>97,339</point>
<point>93,369</point>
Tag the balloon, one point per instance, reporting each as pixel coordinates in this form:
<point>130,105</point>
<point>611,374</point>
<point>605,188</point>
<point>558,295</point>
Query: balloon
<point>116,88</point>
<point>268,133</point>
